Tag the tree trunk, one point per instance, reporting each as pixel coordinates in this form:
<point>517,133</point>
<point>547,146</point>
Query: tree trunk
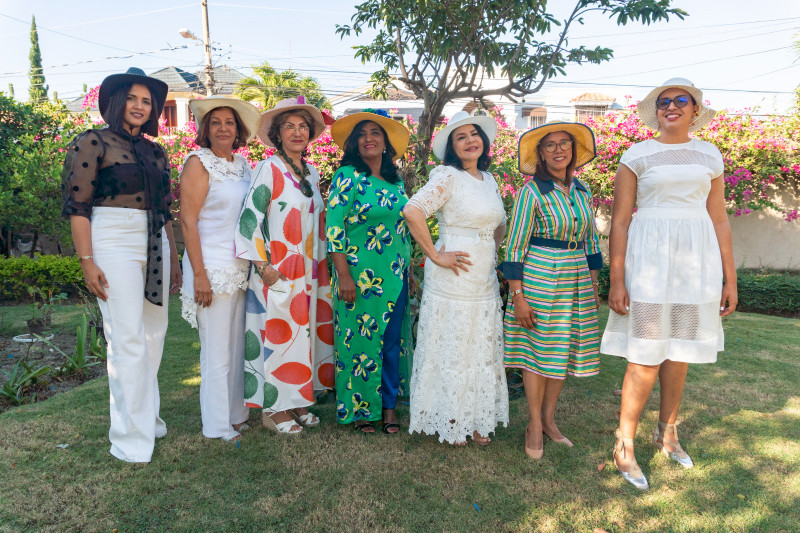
<point>33,242</point>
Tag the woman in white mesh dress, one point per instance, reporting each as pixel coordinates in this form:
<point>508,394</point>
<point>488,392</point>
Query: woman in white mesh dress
<point>458,383</point>
<point>667,266</point>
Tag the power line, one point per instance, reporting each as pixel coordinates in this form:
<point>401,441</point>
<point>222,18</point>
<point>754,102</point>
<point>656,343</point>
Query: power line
<point>689,28</point>
<point>96,60</point>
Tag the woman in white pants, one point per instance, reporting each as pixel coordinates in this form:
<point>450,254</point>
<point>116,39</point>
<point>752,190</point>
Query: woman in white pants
<point>214,183</point>
<point>116,187</point>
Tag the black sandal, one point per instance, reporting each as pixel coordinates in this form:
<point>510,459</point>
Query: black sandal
<point>364,427</point>
<point>391,425</point>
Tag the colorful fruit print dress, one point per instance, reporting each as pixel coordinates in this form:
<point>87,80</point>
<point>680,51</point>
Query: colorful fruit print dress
<point>365,222</point>
<point>289,337</point>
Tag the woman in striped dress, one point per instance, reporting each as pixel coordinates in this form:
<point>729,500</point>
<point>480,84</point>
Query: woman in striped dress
<point>553,257</point>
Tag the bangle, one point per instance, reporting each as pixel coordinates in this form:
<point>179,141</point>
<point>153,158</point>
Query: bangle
<point>596,284</point>
<point>514,293</point>
<point>84,258</point>
<point>260,269</point>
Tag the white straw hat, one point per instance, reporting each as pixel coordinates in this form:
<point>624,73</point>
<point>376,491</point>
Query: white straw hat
<point>462,118</point>
<point>647,107</point>
<point>248,113</point>
<point>290,104</point>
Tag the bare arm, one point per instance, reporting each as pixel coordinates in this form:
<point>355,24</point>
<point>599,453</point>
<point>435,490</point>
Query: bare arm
<point>417,225</point>
<point>719,217</point>
<point>194,189</point>
<point>624,202</point>
<point>92,275</point>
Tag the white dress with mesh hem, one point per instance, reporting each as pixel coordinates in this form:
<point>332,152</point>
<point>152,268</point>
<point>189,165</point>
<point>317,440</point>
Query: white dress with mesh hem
<point>673,269</point>
<point>458,383</point>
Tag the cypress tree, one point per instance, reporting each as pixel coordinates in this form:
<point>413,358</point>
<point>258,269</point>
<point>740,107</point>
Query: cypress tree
<point>37,92</point>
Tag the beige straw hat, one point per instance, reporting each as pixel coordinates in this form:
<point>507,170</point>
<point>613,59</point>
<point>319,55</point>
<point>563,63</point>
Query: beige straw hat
<point>248,113</point>
<point>529,144</point>
<point>397,133</point>
<point>290,104</point>
<point>647,107</point>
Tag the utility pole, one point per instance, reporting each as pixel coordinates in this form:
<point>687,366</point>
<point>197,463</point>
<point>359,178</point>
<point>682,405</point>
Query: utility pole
<point>207,45</point>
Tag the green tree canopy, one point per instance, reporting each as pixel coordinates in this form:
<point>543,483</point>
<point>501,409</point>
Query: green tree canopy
<point>268,86</point>
<point>449,49</point>
<point>37,92</point>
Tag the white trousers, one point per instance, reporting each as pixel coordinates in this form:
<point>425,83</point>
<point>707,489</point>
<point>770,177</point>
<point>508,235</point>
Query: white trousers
<point>135,330</point>
<point>221,328</point>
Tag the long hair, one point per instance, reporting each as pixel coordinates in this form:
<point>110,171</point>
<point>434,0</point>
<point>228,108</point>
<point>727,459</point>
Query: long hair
<point>541,166</point>
<point>451,159</point>
<point>274,128</point>
<point>116,111</point>
<point>352,158</point>
<point>242,132</point>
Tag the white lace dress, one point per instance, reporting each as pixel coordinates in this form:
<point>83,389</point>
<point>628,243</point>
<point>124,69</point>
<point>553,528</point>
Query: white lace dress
<point>458,383</point>
<point>673,269</point>
<point>228,184</point>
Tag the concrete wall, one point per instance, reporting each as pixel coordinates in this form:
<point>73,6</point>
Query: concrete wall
<point>760,239</point>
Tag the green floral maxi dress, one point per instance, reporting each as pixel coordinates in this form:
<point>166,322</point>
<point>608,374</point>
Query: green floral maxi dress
<point>365,221</point>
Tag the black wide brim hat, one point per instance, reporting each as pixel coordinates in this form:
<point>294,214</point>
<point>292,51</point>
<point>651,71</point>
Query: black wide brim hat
<point>158,89</point>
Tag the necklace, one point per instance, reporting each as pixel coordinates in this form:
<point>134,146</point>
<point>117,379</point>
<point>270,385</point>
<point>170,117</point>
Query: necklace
<point>305,185</point>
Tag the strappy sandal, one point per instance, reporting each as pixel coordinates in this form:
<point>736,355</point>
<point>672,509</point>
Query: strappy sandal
<point>308,420</point>
<point>283,428</point>
<point>390,425</point>
<point>364,427</point>
<point>679,455</point>
<point>634,475</point>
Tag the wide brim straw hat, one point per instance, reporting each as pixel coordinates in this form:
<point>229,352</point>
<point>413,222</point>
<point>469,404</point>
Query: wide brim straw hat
<point>462,118</point>
<point>529,142</point>
<point>247,112</point>
<point>397,133</point>
<point>648,112</point>
<point>158,89</point>
<point>290,104</point>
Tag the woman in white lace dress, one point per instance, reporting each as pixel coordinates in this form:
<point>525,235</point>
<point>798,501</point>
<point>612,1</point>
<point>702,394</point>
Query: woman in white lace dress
<point>458,383</point>
<point>214,183</point>
<point>667,264</point>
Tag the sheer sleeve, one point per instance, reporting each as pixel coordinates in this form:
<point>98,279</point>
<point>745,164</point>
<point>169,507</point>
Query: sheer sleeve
<point>169,196</point>
<point>252,234</point>
<point>79,177</point>
<point>522,220</point>
<point>436,192</point>
<point>339,205</point>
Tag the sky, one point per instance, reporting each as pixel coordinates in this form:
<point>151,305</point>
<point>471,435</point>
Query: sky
<point>741,52</point>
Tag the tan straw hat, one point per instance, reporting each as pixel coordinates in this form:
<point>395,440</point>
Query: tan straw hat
<point>248,113</point>
<point>462,118</point>
<point>529,144</point>
<point>647,107</point>
<point>397,133</point>
<point>290,104</point>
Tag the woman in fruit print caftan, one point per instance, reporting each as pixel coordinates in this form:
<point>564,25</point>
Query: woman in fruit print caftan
<point>289,317</point>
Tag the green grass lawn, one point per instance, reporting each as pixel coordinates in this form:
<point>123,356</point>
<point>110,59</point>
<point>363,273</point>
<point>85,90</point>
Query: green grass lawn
<point>740,423</point>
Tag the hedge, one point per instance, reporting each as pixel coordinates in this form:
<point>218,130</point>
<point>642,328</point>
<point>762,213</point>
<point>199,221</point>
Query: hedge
<point>48,272</point>
<point>767,292</point>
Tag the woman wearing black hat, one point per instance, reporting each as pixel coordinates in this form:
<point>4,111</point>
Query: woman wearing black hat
<point>116,187</point>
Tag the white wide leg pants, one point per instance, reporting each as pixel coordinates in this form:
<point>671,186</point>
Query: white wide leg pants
<point>221,328</point>
<point>135,330</point>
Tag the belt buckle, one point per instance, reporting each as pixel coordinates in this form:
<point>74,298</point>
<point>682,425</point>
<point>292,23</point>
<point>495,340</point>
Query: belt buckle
<point>571,243</point>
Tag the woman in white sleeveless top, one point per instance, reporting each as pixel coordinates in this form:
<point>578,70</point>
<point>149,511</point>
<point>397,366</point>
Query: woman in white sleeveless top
<point>214,183</point>
<point>667,266</point>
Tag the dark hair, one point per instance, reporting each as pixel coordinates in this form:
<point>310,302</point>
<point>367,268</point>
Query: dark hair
<point>541,166</point>
<point>281,119</point>
<point>115,112</point>
<point>242,132</point>
<point>352,158</point>
<point>451,159</point>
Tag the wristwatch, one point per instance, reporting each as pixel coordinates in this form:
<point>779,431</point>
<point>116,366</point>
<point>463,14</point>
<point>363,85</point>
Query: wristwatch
<point>514,293</point>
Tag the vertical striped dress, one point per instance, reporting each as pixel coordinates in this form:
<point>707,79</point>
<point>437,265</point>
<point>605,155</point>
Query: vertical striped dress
<point>555,282</point>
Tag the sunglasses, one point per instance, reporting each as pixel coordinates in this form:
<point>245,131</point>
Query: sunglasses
<point>679,101</point>
<point>305,188</point>
<point>550,147</point>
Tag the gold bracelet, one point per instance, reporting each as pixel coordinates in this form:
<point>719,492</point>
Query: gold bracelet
<point>262,268</point>
<point>514,293</point>
<point>85,258</point>
<point>596,284</point>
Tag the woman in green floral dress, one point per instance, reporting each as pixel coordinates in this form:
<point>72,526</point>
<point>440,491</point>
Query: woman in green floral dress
<point>370,247</point>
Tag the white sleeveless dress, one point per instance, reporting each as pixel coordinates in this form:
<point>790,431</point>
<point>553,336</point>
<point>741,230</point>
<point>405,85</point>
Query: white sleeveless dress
<point>458,383</point>
<point>673,269</point>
